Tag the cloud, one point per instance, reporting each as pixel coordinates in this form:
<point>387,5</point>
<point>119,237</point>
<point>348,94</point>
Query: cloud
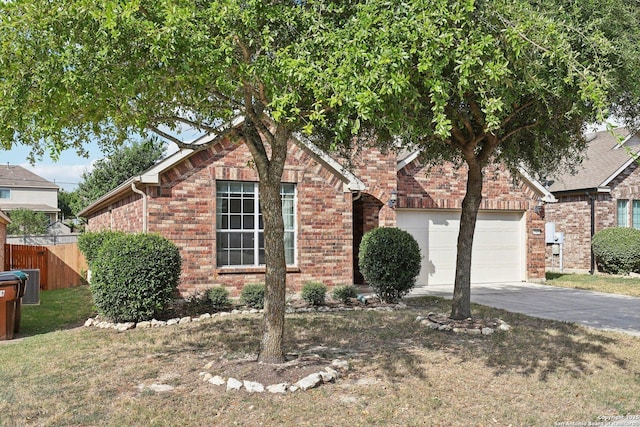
<point>65,176</point>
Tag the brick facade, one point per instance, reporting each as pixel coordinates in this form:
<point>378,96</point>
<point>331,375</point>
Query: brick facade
<point>444,187</point>
<point>183,209</point>
<point>572,216</point>
<point>330,219</point>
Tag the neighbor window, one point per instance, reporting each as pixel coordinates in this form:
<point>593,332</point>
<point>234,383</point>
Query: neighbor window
<point>5,193</point>
<point>239,227</point>
<point>623,213</point>
<point>635,214</point>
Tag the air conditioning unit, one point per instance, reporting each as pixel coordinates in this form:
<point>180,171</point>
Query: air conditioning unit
<point>32,291</point>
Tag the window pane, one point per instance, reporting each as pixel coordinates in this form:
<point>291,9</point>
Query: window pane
<point>289,247</point>
<point>636,214</point>
<point>248,205</point>
<point>235,222</point>
<point>235,206</point>
<point>247,222</point>
<point>623,218</point>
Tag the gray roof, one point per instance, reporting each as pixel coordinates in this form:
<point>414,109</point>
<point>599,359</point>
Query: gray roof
<point>13,176</point>
<point>604,160</point>
<point>7,206</point>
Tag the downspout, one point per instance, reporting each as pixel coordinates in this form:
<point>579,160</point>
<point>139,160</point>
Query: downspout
<point>144,205</point>
<point>592,200</point>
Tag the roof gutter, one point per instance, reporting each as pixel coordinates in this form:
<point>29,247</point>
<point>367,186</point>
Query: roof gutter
<point>144,204</point>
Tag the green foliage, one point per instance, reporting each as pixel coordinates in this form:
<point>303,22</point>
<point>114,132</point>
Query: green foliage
<point>344,293</point>
<point>135,276</point>
<point>252,295</point>
<point>120,165</point>
<point>66,199</point>
<point>26,222</point>
<point>90,243</point>
<point>617,250</point>
<point>314,293</point>
<point>219,297</point>
<point>390,262</point>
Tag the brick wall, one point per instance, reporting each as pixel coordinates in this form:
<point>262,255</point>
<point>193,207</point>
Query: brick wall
<point>572,215</point>
<point>183,209</point>
<point>444,187</point>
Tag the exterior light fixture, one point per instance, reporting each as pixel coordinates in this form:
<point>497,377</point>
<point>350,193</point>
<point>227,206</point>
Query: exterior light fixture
<point>393,201</point>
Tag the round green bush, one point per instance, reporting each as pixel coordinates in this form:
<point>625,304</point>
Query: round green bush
<point>219,297</point>
<point>344,293</point>
<point>90,243</point>
<point>314,293</point>
<point>135,277</point>
<point>617,250</point>
<point>390,262</point>
<point>252,295</point>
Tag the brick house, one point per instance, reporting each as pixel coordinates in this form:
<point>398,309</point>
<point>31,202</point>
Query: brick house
<point>207,203</point>
<point>604,192</point>
<point>4,220</point>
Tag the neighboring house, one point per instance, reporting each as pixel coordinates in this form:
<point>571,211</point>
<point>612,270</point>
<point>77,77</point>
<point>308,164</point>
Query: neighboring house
<point>604,192</point>
<point>207,203</point>
<point>22,189</point>
<point>4,221</point>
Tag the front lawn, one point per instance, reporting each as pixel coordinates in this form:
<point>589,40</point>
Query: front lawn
<point>597,282</point>
<point>402,374</point>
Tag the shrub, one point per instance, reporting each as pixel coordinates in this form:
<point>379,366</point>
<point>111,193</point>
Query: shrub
<point>252,295</point>
<point>91,242</point>
<point>219,297</point>
<point>389,261</point>
<point>135,277</point>
<point>617,250</point>
<point>314,293</point>
<point>344,293</point>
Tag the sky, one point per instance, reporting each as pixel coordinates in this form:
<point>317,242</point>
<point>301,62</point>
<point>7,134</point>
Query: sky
<point>66,172</point>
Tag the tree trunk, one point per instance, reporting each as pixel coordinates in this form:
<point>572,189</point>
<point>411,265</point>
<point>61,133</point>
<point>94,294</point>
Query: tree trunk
<point>270,171</point>
<point>461,304</point>
<point>272,345</point>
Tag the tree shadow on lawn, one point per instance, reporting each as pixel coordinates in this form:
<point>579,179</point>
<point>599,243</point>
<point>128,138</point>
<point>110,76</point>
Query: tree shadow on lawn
<point>394,345</point>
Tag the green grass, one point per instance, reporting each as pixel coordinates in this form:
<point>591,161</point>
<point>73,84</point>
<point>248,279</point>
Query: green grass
<point>597,282</point>
<point>59,309</point>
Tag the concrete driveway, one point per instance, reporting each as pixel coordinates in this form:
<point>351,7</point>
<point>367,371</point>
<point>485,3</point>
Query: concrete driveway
<point>593,309</point>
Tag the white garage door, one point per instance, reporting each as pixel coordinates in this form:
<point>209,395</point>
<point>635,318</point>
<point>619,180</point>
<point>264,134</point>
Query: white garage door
<point>498,246</point>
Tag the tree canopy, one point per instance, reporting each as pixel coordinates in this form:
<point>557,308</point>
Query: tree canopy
<point>25,222</point>
<point>480,82</point>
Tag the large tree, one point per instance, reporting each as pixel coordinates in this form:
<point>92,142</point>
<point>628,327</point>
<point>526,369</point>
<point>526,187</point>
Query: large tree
<point>481,82</point>
<point>118,166</point>
<point>82,70</point>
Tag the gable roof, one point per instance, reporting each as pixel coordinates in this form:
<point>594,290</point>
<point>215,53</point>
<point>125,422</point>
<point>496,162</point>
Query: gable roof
<point>604,160</point>
<point>152,175</point>
<point>13,176</point>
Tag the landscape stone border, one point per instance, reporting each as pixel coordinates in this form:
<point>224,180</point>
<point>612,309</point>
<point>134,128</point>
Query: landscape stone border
<point>328,375</point>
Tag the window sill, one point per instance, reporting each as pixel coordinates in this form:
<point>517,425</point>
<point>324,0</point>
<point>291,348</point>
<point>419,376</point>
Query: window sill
<point>251,270</point>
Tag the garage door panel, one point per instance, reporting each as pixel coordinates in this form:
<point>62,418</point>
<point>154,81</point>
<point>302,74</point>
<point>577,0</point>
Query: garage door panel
<point>498,245</point>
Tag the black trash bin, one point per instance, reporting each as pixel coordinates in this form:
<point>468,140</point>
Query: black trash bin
<point>9,292</point>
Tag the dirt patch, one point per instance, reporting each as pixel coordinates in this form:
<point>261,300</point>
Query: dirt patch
<point>249,369</point>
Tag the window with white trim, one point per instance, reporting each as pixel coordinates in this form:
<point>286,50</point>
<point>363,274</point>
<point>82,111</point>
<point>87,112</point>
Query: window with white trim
<point>623,213</point>
<point>5,193</point>
<point>239,227</point>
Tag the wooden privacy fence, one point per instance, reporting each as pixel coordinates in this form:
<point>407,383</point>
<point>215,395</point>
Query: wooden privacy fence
<point>61,266</point>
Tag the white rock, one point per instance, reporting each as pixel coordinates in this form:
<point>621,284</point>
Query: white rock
<point>253,387</point>
<point>89,322</point>
<point>432,325</point>
<point>185,320</point>
<point>474,331</point>
<point>172,322</point>
<point>159,388</point>
<point>293,388</point>
<point>233,384</point>
<point>419,318</point>
<point>459,330</point>
<point>224,314</point>
<point>144,324</point>
<point>157,323</point>
<point>204,316</point>
<point>487,331</point>
<point>278,388</point>
<point>207,376</point>
<point>328,375</point>
<point>253,311</point>
<point>310,381</point>
<point>217,380</point>
<point>209,365</point>
<point>504,327</point>
<point>125,326</point>
<point>339,364</point>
